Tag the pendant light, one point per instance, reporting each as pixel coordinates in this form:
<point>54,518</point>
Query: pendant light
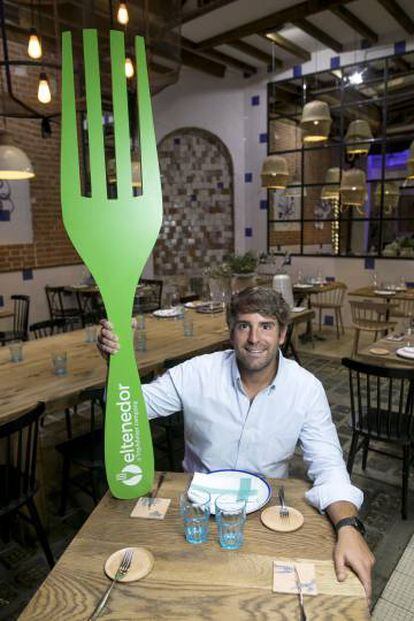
<point>136,172</point>
<point>14,163</point>
<point>331,192</point>
<point>410,162</point>
<point>275,173</point>
<point>43,92</point>
<point>294,189</point>
<point>316,121</point>
<point>129,68</point>
<point>353,189</point>
<point>34,47</point>
<point>122,15</point>
<point>358,130</point>
<point>391,196</point>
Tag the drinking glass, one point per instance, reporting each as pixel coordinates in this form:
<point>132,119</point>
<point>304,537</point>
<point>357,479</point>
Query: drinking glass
<point>16,351</point>
<point>230,518</point>
<point>59,362</point>
<point>195,511</point>
<point>141,341</point>
<point>188,326</point>
<point>90,334</point>
<point>140,322</point>
<point>299,277</point>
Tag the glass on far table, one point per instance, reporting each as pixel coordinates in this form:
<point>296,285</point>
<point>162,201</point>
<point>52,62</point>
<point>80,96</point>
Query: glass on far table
<point>188,325</point>
<point>195,512</point>
<point>141,340</point>
<point>59,363</point>
<point>16,351</point>
<point>90,334</point>
<point>230,518</point>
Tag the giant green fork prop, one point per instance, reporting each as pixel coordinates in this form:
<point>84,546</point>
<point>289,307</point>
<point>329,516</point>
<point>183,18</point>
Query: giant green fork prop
<point>114,237</point>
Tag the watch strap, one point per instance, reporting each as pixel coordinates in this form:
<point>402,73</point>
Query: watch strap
<point>351,521</point>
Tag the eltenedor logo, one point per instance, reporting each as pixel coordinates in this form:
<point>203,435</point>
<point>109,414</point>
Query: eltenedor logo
<point>130,475</point>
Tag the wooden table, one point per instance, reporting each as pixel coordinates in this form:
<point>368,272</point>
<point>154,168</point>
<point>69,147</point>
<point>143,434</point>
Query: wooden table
<point>390,360</point>
<point>369,292</point>
<point>6,313</point>
<point>194,581</point>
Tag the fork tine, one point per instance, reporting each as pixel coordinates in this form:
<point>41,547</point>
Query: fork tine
<point>150,174</point>
<point>70,184</point>
<point>121,119</point>
<point>94,115</point>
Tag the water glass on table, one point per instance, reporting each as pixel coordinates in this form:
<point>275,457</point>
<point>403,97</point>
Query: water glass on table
<point>90,334</point>
<point>59,362</point>
<point>16,351</point>
<point>195,512</point>
<point>141,340</point>
<point>188,325</point>
<point>230,518</point>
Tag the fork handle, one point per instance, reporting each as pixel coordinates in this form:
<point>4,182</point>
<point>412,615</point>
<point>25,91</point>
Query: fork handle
<point>101,604</point>
<point>129,457</point>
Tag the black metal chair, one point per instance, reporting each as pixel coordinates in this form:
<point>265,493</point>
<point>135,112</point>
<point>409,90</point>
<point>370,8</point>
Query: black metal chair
<point>382,403</point>
<point>21,305</point>
<point>86,451</point>
<point>18,485</point>
<point>47,327</point>
<point>59,310</point>
<point>149,299</point>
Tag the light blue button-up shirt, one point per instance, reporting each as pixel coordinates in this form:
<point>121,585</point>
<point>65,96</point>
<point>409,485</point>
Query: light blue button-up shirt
<point>224,429</point>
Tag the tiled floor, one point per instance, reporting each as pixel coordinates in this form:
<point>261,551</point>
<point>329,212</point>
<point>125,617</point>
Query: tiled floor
<point>397,599</point>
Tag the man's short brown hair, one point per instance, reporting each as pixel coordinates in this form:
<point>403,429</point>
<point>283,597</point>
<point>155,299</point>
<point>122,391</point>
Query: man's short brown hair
<point>262,300</point>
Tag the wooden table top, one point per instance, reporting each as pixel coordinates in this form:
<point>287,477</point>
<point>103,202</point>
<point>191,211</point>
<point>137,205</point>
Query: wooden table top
<point>370,292</point>
<point>4,313</point>
<point>195,581</point>
<point>387,360</point>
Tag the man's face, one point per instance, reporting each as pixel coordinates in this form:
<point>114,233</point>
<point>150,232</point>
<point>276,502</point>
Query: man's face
<point>256,339</point>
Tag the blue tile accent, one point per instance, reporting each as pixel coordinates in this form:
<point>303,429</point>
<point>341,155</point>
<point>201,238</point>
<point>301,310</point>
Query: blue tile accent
<point>369,263</point>
<point>27,274</point>
<point>255,100</point>
<point>335,62</point>
<point>263,204</point>
<point>399,47</point>
<point>248,231</point>
<point>330,278</point>
<point>220,185</point>
<point>4,216</point>
<point>263,137</point>
<point>297,71</point>
<point>1,300</point>
<point>193,197</point>
<point>177,140</point>
<point>248,177</point>
<point>365,44</point>
<point>410,284</point>
<point>328,320</point>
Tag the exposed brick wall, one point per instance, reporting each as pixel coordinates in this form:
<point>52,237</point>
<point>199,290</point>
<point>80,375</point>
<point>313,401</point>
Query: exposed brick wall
<point>51,246</point>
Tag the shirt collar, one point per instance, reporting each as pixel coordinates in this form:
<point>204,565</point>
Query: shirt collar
<point>236,378</point>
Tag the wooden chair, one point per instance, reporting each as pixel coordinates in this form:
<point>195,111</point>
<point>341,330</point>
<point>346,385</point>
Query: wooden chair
<point>369,317</point>
<point>59,310</point>
<point>47,327</point>
<point>332,299</point>
<point>382,400</point>
<point>148,300</point>
<point>20,320</point>
<point>18,485</point>
<point>403,309</point>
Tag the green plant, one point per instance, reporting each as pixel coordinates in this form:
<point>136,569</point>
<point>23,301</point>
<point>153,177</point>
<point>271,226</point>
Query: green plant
<point>223,270</point>
<point>242,263</point>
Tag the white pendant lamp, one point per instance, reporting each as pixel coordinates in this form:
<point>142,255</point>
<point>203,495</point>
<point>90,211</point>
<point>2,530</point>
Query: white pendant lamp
<point>358,130</point>
<point>331,192</point>
<point>391,195</point>
<point>316,121</point>
<point>129,68</point>
<point>122,14</point>
<point>14,163</point>
<point>353,188</point>
<point>43,92</point>
<point>275,173</point>
<point>34,47</point>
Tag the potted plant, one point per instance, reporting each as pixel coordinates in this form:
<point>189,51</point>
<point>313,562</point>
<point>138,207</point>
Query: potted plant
<point>406,247</point>
<point>243,268</point>
<point>219,281</point>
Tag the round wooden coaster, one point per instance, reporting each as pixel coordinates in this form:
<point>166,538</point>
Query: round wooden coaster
<point>142,563</point>
<point>271,518</point>
<point>379,351</point>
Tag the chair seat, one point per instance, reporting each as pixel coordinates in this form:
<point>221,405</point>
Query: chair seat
<point>325,305</point>
<point>11,498</point>
<point>86,450</point>
<point>373,326</point>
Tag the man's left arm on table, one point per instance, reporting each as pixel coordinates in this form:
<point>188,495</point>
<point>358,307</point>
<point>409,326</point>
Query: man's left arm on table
<point>332,489</point>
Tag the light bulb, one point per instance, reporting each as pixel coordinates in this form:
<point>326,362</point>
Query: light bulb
<point>43,91</point>
<point>129,68</point>
<point>122,15</point>
<point>34,47</point>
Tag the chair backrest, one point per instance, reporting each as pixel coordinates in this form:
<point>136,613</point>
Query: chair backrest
<point>367,311</point>
<point>18,454</point>
<point>333,296</point>
<point>91,306</point>
<point>21,316</point>
<point>41,329</point>
<point>149,299</point>
<point>54,297</point>
<point>382,399</point>
<point>405,308</point>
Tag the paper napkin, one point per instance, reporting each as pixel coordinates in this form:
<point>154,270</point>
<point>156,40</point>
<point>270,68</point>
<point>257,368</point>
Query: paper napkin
<point>284,578</point>
<point>154,510</point>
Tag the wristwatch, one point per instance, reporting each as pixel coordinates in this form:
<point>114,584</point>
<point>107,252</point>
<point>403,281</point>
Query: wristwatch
<point>351,521</point>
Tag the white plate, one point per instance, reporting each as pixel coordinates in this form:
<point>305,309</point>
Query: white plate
<point>168,312</point>
<point>256,489</point>
<point>406,352</point>
<point>194,304</point>
<point>300,285</point>
<point>381,292</point>
<point>298,309</point>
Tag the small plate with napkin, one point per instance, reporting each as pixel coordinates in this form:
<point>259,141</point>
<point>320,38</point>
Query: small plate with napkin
<point>406,352</point>
<point>244,485</point>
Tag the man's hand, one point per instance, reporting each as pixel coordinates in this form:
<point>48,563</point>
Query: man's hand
<point>352,551</point>
<point>108,342</point>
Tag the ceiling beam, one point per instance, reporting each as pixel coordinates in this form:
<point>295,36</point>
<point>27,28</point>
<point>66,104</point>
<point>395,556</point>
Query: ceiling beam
<point>272,22</point>
<point>400,16</point>
<point>287,45</point>
<point>203,64</point>
<point>318,34</point>
<point>188,16</point>
<point>254,52</point>
<point>355,23</point>
<point>219,57</point>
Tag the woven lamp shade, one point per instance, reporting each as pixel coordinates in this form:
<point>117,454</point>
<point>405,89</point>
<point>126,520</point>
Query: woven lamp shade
<point>316,121</point>
<point>353,187</point>
<point>358,130</point>
<point>275,173</point>
<point>331,192</point>
<point>391,195</point>
<point>411,162</point>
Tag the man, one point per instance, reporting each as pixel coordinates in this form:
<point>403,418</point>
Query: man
<point>248,408</point>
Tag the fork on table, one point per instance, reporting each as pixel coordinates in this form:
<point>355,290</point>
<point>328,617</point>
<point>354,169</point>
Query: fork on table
<point>283,510</point>
<point>114,237</point>
<point>123,569</point>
